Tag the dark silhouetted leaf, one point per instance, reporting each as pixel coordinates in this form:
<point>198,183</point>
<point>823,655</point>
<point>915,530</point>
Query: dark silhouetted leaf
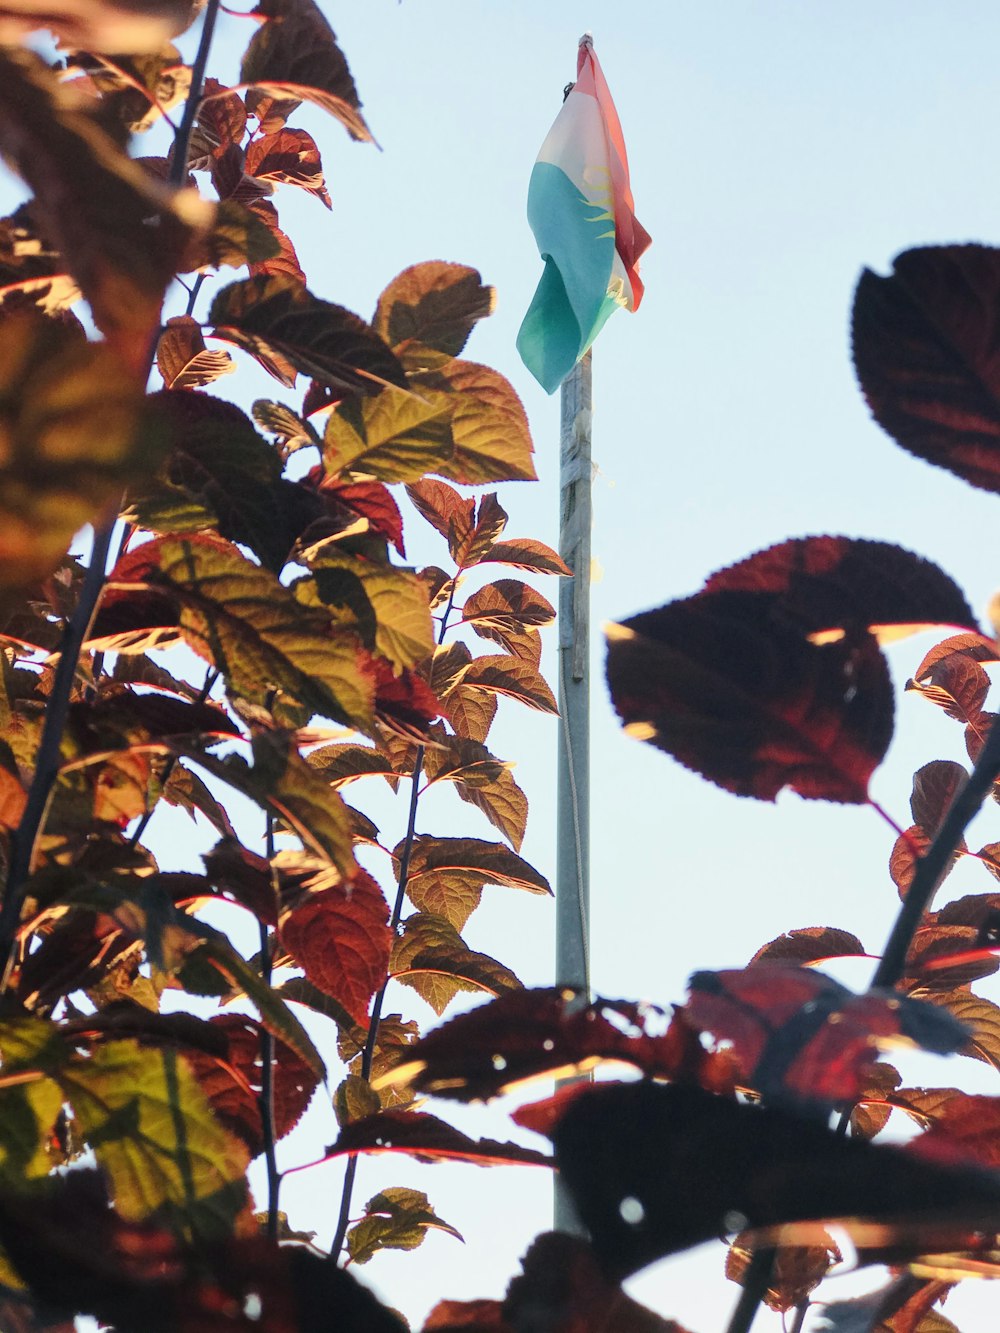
<point>748,702</point>
<point>428,1139</point>
<point>340,938</point>
<point>431,957</point>
<point>290,429</point>
<point>825,584</point>
<point>290,331</point>
<point>394,1219</point>
<point>294,56</point>
<point>284,262</point>
<point>526,1035</point>
<point>434,305</point>
<point>466,1317</point>
<point>655,1144</point>
<point>924,359</point>
<point>871,1113</point>
<point>909,847</point>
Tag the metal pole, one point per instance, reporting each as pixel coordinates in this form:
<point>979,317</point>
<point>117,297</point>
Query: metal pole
<point>573,772</point>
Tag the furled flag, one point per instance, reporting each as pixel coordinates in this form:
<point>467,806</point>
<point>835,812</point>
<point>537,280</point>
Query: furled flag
<point>581,211</point>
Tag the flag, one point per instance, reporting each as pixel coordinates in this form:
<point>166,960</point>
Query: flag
<point>581,211</point>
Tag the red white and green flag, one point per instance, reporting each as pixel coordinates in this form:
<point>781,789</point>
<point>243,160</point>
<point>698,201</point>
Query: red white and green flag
<point>581,211</point>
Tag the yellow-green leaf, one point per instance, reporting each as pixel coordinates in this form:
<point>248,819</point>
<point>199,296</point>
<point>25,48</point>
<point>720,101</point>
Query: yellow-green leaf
<point>395,1219</point>
<point>432,957</point>
<point>153,1131</point>
<point>274,652</point>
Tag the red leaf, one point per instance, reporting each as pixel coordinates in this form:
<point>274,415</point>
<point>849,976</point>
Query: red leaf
<point>950,675</point>
<point>370,500</point>
<point>234,1099</point>
<point>812,944</point>
<point>340,938</point>
<point>429,1140</point>
<point>750,703</point>
<point>466,1317</point>
<point>924,354</point>
<point>797,1032</point>
<point>935,786</point>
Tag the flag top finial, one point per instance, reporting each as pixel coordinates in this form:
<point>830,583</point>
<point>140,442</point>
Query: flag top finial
<point>587,40</point>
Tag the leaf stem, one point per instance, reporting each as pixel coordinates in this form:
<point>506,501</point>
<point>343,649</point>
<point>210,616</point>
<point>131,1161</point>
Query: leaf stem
<point>265,1101</point>
<point>933,865</point>
<point>368,1055</point>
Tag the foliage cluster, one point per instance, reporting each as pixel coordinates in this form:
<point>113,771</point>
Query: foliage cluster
<point>127,1123</point>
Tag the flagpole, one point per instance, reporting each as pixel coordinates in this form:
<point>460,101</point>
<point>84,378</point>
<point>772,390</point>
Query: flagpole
<point>573,770</point>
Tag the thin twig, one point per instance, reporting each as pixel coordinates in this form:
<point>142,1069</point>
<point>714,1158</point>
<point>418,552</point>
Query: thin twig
<point>756,1281</point>
<point>368,1055</point>
<point>265,1101</point>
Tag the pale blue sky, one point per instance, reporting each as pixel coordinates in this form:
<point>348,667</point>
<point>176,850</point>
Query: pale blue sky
<point>777,146</point>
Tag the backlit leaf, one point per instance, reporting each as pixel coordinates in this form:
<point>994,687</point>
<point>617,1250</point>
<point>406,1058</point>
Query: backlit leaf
<point>446,875</point>
<point>750,703</point>
<point>183,359</point>
<point>282,262</point>
<point>466,763</point>
<point>339,764</point>
<point>355,1099</point>
<point>294,55</point>
<point>30,269</point>
<point>951,676</point>
<point>290,331</point>
<point>471,712</point>
<point>526,553</point>
<point>466,425</point>
<point>433,304</point>
<point>981,1017</point>
<point>923,355</point>
<point>273,651</point>
<point>291,430</point>
<point>152,1131</point>
<point>798,1270</point>
<point>505,607</point>
<point>340,938</point>
<point>812,944</point>
<point>95,204</point>
<point>289,157</point>
<point>386,606</point>
<point>502,674</point>
<point>431,957</point>
<point>935,786</point>
<point>233,1084</point>
<point>394,1219</point>
<point>655,1144</point>
<point>503,803</point>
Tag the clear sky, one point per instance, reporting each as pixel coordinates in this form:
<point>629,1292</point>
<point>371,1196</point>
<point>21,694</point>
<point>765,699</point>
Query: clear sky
<point>777,147</point>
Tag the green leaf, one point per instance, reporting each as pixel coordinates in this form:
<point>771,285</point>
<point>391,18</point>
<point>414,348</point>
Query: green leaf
<point>73,437</point>
<point>432,957</point>
<point>395,1219</point>
<point>466,424</point>
<point>153,1132</point>
<point>288,330</point>
<point>294,55</point>
<point>355,1099</point>
<point>434,305</point>
<point>274,652</point>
